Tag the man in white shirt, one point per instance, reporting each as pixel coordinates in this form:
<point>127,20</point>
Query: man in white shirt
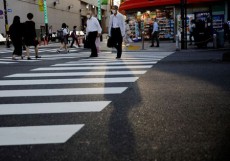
<point>117,30</point>
<point>155,33</point>
<point>93,30</point>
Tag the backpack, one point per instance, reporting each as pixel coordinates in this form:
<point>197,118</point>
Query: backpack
<point>60,34</point>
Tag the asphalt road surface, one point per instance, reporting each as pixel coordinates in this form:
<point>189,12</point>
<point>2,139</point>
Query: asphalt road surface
<point>147,106</point>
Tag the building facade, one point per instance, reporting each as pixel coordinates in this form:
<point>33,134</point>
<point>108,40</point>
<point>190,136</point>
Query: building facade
<point>72,12</point>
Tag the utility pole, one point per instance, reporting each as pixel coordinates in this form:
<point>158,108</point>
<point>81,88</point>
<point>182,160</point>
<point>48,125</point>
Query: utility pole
<point>6,25</point>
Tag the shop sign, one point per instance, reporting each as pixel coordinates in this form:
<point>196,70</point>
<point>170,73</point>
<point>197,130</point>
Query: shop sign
<point>202,16</point>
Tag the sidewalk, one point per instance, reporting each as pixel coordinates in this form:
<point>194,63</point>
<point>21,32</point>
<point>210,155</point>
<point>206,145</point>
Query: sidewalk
<point>165,46</point>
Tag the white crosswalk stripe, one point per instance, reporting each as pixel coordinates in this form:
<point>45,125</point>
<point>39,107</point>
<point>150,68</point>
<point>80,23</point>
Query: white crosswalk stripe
<point>6,62</point>
<point>61,92</point>
<point>29,135</point>
<point>126,70</point>
<point>106,63</point>
<point>111,60</point>
<point>26,75</point>
<point>92,68</point>
<point>67,81</point>
<point>58,107</point>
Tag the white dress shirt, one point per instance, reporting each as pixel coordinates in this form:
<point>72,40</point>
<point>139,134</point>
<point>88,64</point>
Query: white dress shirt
<point>93,25</point>
<point>116,21</point>
<point>155,27</point>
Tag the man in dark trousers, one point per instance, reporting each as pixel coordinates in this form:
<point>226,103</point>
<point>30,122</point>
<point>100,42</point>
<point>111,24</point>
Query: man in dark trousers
<point>117,30</point>
<point>155,33</point>
<point>93,31</point>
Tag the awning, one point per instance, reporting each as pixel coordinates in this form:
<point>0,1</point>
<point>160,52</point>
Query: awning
<point>136,4</point>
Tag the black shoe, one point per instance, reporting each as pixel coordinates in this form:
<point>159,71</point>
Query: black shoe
<point>29,58</point>
<point>93,56</point>
<point>58,51</point>
<point>152,46</point>
<point>157,46</point>
<point>37,57</point>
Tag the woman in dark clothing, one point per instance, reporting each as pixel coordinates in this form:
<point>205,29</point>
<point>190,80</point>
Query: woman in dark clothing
<point>16,37</point>
<point>30,37</point>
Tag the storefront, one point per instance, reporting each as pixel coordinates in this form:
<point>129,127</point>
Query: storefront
<point>165,17</point>
<point>168,14</point>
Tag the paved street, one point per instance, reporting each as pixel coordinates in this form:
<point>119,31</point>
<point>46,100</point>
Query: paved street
<point>148,106</point>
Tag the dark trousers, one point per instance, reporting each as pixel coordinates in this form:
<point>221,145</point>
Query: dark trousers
<point>74,39</point>
<point>155,36</point>
<point>17,48</point>
<point>190,37</point>
<point>117,40</point>
<point>92,38</point>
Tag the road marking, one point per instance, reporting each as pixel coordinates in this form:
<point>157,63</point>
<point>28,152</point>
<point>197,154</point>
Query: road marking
<point>56,58</point>
<point>67,81</point>
<point>59,107</point>
<point>22,75</point>
<point>6,51</point>
<point>7,62</point>
<point>105,61</point>
<point>61,92</point>
<point>122,59</point>
<point>29,135</point>
<point>108,63</point>
<point>91,68</point>
<point>20,60</point>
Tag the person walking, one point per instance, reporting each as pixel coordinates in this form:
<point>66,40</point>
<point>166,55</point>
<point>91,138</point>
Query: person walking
<point>117,30</point>
<point>50,33</point>
<point>93,30</point>
<point>155,33</point>
<point>15,32</point>
<point>137,30</point>
<point>64,38</point>
<point>127,38</point>
<point>30,37</point>
<point>74,37</point>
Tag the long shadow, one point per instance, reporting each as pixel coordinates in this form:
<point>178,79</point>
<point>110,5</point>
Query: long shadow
<point>121,132</point>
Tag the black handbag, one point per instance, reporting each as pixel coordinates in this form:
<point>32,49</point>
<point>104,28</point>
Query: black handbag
<point>110,42</point>
<point>86,42</point>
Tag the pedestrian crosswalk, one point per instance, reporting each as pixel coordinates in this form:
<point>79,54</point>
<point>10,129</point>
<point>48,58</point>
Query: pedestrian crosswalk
<point>51,56</point>
<point>86,71</point>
